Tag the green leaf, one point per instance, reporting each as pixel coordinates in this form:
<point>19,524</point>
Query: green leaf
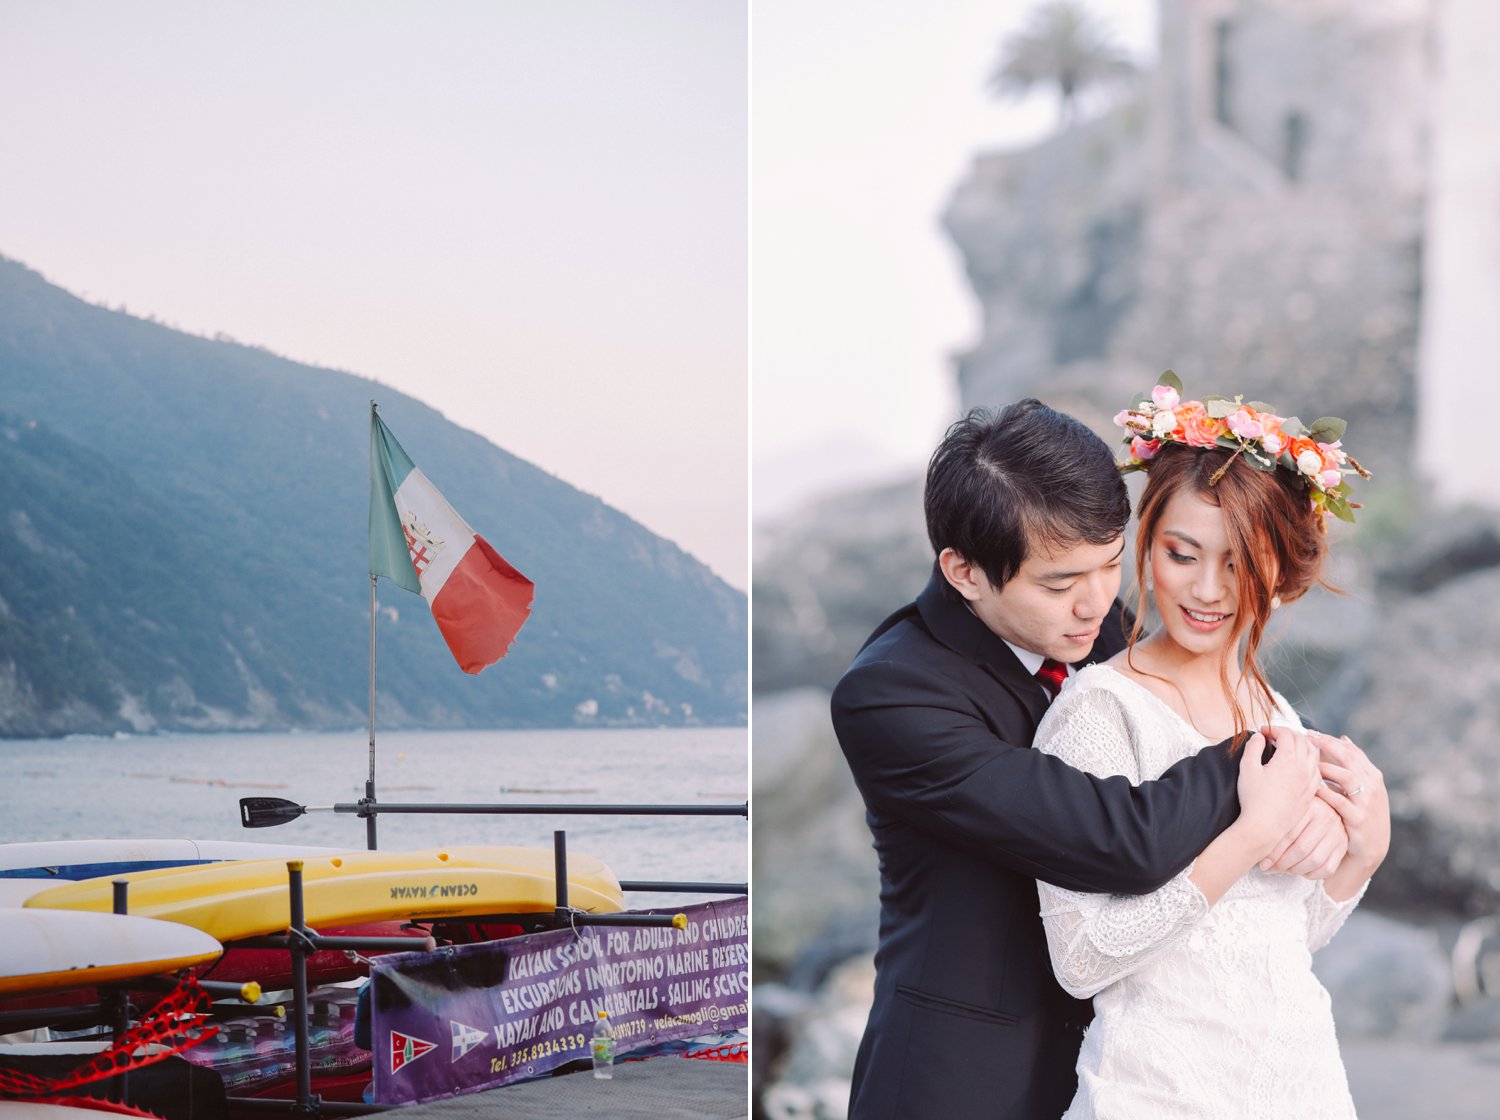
<point>1259,459</point>
<point>1220,407</point>
<point>1327,429</point>
<point>1291,426</point>
<point>1261,406</point>
<point>1341,510</point>
<point>1171,380</point>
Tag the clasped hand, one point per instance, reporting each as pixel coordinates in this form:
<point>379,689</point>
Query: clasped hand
<point>1333,825</point>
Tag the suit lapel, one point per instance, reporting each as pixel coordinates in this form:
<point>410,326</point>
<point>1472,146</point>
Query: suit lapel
<point>951,622</point>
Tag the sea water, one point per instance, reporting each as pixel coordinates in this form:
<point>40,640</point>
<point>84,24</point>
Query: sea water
<point>190,785</point>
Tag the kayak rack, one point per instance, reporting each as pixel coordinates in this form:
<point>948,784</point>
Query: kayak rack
<point>301,941</point>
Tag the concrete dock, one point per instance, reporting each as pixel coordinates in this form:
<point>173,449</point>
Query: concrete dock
<point>668,1088</point>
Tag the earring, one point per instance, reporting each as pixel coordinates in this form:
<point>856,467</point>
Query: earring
<point>1275,602</point>
<point>1150,583</point>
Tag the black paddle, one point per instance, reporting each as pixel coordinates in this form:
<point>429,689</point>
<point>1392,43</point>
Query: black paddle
<point>267,812</point>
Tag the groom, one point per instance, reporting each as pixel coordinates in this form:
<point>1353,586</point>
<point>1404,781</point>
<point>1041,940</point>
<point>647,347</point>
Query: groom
<point>1026,512</point>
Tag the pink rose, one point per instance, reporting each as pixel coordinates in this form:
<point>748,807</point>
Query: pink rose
<point>1165,396</point>
<point>1330,479</point>
<point>1245,424</point>
<point>1144,449</point>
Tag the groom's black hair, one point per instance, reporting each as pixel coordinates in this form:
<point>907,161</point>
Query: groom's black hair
<point>1003,483</point>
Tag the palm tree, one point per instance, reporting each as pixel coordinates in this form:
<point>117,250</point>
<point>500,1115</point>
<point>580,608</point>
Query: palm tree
<point>1062,44</point>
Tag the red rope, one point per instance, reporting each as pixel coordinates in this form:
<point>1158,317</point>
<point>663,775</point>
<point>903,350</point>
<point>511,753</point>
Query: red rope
<point>175,1024</point>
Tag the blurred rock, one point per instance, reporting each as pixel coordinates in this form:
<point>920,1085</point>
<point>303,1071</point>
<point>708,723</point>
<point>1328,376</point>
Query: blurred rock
<point>1440,549</point>
<point>812,1081</point>
<point>826,577</point>
<point>1476,960</point>
<point>1387,979</point>
<point>817,884</point>
<point>1428,714</point>
<point>778,1012</point>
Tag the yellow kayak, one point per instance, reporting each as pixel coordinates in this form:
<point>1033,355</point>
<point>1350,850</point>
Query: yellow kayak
<point>249,898</point>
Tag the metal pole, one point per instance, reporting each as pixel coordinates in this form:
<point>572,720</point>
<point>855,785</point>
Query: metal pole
<point>370,782</point>
<point>121,997</point>
<point>361,808</point>
<point>665,887</point>
<point>560,870</point>
<point>296,932</point>
<point>374,579</point>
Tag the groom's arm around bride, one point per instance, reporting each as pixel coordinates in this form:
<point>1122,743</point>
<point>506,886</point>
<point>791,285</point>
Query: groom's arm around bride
<point>1026,513</point>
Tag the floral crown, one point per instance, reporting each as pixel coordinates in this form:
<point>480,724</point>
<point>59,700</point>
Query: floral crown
<point>1314,456</point>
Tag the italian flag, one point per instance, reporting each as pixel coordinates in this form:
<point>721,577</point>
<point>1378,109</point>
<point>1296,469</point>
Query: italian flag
<point>416,541</point>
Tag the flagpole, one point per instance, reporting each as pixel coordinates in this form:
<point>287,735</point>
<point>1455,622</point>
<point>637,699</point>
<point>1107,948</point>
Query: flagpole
<point>370,781</point>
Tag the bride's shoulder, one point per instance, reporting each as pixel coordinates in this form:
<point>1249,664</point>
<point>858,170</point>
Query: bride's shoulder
<point>1093,690</point>
<point>1092,724</point>
<point>1105,676</point>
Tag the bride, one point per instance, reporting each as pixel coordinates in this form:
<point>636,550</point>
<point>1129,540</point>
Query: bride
<point>1204,995</point>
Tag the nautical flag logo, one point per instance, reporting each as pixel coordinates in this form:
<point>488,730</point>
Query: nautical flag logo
<point>465,1038</point>
<point>420,542</point>
<point>405,1049</point>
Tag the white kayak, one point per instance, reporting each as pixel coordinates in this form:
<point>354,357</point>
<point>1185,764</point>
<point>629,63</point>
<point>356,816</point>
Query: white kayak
<point>50,950</point>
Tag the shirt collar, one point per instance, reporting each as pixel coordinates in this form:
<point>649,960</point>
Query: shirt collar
<point>1031,661</point>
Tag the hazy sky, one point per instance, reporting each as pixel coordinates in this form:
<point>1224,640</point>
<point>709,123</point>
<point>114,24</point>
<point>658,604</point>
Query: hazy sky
<point>866,116</point>
<point>531,216</point>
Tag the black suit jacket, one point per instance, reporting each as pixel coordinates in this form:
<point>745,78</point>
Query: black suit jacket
<point>936,717</point>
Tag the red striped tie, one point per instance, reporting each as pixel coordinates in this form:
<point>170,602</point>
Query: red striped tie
<point>1052,674</point>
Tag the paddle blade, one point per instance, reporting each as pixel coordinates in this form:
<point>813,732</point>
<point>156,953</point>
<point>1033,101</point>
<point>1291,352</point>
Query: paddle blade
<point>267,812</point>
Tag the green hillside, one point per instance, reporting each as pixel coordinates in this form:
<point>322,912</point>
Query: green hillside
<point>184,538</point>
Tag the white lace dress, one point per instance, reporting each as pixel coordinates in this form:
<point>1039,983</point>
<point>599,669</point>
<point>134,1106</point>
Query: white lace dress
<point>1200,1013</point>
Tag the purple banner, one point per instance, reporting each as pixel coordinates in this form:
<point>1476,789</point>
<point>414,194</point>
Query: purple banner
<point>474,1017</point>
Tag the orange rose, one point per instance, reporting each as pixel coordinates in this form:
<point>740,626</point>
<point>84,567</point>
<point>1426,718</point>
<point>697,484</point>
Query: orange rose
<point>1274,440</point>
<point>1300,444</point>
<point>1199,429</point>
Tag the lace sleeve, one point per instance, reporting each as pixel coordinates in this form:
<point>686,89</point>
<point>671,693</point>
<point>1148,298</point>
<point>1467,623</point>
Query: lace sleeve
<point>1325,916</point>
<point>1096,939</point>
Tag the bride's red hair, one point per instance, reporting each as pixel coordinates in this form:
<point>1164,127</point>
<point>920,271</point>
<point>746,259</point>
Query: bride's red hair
<point>1276,539</point>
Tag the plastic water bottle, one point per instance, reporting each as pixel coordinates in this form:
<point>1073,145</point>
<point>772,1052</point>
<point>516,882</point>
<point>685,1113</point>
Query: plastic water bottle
<point>603,1048</point>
